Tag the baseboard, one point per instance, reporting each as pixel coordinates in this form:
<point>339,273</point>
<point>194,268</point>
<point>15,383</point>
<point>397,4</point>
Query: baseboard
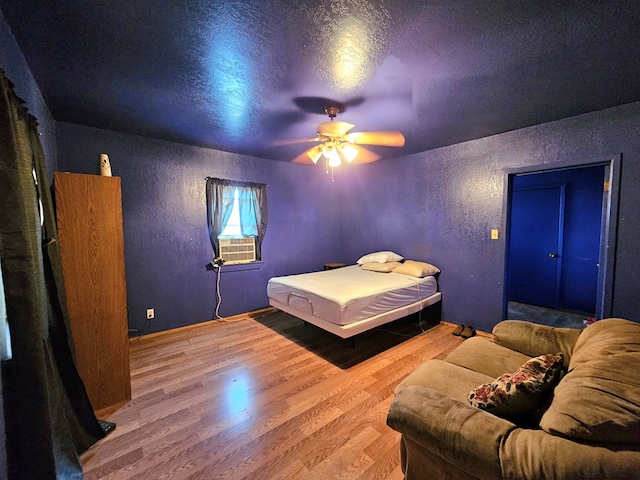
<point>232,318</point>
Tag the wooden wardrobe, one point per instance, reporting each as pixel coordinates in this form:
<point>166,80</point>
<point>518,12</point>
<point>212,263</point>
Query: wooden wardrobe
<point>89,218</point>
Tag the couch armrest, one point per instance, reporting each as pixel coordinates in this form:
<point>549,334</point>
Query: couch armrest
<point>533,339</point>
<point>460,434</point>
<point>535,454</point>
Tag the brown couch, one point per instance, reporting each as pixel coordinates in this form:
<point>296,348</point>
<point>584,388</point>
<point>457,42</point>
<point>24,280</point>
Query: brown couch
<point>588,426</point>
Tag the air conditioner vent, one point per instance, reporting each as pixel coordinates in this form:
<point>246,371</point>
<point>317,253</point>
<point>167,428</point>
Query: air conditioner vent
<point>238,250</point>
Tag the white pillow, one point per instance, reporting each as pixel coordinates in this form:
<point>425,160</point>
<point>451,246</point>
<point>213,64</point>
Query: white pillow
<point>380,267</point>
<point>380,257</point>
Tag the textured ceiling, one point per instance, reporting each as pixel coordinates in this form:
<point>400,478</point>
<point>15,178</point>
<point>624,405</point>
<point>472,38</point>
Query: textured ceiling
<point>241,76</point>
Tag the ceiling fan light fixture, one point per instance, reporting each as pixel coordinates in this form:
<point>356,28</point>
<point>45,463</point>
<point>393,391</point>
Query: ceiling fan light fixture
<point>339,146</point>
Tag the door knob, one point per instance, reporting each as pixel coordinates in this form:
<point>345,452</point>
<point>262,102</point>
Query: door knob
<point>553,255</point>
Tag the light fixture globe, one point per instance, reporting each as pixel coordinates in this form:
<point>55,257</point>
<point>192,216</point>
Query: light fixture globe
<point>349,151</point>
<point>331,153</point>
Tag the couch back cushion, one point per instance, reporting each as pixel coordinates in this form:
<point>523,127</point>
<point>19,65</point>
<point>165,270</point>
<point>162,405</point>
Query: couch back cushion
<point>599,398</point>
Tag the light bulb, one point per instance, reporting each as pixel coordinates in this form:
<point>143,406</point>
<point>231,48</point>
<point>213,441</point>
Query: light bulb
<point>331,154</point>
<point>349,151</point>
<point>334,161</point>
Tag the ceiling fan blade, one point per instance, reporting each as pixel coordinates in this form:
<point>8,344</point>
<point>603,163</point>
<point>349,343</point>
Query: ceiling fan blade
<point>293,141</point>
<point>334,129</point>
<point>385,139</point>
<point>308,155</point>
<point>364,156</point>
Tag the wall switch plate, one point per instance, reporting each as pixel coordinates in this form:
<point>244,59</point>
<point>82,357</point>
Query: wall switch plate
<point>494,234</point>
<point>150,314</point>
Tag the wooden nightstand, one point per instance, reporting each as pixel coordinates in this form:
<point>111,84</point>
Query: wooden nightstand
<point>331,266</point>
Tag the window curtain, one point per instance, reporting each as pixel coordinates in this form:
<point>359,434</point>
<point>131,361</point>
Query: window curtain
<point>219,205</point>
<point>48,417</point>
<point>261,215</point>
<point>252,204</point>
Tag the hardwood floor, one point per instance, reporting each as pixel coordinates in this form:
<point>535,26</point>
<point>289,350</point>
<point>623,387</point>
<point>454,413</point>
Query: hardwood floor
<point>263,398</point>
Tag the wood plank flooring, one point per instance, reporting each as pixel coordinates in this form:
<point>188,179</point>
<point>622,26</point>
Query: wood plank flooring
<point>264,398</point>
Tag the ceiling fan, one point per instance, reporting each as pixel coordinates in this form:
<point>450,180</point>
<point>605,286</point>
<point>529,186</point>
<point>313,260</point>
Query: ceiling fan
<point>338,145</point>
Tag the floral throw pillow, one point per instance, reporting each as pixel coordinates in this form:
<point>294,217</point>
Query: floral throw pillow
<point>521,392</point>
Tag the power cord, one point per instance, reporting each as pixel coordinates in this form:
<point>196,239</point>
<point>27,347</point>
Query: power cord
<point>419,319</point>
<point>142,331</point>
<point>217,264</point>
<point>420,311</point>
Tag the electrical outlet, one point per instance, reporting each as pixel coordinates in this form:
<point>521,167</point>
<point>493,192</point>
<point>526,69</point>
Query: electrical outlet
<point>150,314</point>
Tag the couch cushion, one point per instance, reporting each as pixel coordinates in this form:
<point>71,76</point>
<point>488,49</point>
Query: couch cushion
<point>599,398</point>
<point>522,392</point>
<point>532,339</point>
<point>482,355</point>
<point>444,377</point>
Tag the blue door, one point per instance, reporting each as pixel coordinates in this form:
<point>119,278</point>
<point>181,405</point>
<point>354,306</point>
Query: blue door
<point>535,247</point>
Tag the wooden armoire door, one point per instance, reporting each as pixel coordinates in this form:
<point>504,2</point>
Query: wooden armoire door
<point>89,219</point>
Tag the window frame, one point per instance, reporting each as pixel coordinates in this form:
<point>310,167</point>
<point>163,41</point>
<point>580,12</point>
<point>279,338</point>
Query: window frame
<point>219,211</point>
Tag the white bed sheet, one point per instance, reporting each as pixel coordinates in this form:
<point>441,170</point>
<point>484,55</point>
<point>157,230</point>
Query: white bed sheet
<point>347,295</point>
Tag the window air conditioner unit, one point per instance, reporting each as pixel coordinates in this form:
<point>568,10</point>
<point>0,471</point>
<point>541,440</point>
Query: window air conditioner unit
<point>238,250</point>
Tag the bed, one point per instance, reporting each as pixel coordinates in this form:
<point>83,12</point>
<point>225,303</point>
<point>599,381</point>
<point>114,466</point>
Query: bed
<point>351,300</point>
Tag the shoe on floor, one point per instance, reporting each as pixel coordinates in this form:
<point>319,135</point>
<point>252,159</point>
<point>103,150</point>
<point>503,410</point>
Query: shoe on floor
<point>468,332</point>
<point>458,331</point>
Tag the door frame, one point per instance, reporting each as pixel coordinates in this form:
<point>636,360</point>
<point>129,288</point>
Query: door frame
<point>608,229</point>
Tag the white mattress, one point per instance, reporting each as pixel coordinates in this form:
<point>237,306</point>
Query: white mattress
<point>349,294</point>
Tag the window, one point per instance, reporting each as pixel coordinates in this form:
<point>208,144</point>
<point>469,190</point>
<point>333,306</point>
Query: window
<point>5,335</point>
<point>232,228</point>
<point>236,218</point>
<point>242,221</point>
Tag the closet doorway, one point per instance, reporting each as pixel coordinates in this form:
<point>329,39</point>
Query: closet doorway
<point>560,225</point>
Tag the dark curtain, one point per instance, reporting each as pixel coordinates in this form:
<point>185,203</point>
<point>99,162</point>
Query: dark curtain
<point>219,195</point>
<point>260,191</point>
<point>252,198</point>
<point>49,420</point>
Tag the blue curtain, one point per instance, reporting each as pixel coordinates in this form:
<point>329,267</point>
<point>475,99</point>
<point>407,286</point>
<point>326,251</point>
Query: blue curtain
<point>252,203</point>
<point>248,207</point>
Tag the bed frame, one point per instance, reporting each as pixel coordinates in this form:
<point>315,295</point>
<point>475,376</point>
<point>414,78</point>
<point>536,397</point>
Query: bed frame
<point>347,331</point>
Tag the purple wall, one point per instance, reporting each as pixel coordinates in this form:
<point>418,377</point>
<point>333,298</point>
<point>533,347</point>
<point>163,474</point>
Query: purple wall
<point>165,233</point>
<point>439,206</point>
